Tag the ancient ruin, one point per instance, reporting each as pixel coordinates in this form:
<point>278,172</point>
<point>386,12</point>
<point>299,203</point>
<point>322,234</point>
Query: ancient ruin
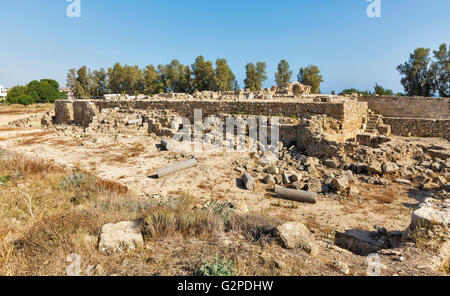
<point>352,163</point>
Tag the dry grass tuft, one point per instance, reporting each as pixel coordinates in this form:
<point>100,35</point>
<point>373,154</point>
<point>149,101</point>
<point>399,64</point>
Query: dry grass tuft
<point>255,228</point>
<point>17,164</point>
<point>162,222</point>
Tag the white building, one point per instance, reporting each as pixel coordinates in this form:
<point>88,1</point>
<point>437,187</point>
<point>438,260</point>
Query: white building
<point>2,92</point>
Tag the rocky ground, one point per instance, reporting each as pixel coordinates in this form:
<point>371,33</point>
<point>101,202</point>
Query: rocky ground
<point>366,200</point>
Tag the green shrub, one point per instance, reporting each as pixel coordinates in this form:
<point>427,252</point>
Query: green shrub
<point>73,181</point>
<point>224,210</point>
<point>25,100</point>
<point>4,179</point>
<point>219,267</point>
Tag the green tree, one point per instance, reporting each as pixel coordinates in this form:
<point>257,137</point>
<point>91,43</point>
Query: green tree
<point>25,100</point>
<point>379,90</point>
<point>81,82</point>
<point>417,76</point>
<point>14,94</point>
<point>441,70</point>
<point>255,76</point>
<point>71,79</point>
<point>225,78</point>
<point>203,74</point>
<point>152,81</point>
<point>176,77</point>
<point>283,74</point>
<point>131,80</point>
<point>310,75</point>
<point>99,82</point>
<point>53,83</point>
<point>115,79</point>
<point>44,91</point>
<point>187,83</point>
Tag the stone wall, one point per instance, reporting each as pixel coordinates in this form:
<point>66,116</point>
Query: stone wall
<point>419,127</point>
<point>63,112</point>
<point>349,113</point>
<point>409,107</point>
<point>84,112</point>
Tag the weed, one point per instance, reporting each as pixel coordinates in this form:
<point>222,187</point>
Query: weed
<point>276,204</point>
<point>73,181</point>
<point>218,267</point>
<point>419,234</point>
<point>224,210</point>
<point>4,179</point>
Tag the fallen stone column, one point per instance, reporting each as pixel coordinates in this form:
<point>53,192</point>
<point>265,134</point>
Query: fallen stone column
<point>166,144</point>
<point>176,167</point>
<point>134,121</point>
<point>296,195</point>
<point>249,182</point>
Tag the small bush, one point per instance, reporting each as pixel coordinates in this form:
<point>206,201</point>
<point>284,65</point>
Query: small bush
<point>88,183</point>
<point>224,210</point>
<point>4,179</point>
<point>219,267</point>
<point>73,181</point>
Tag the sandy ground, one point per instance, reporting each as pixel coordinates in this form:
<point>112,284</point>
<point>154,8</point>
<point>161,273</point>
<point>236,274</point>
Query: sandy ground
<point>133,161</point>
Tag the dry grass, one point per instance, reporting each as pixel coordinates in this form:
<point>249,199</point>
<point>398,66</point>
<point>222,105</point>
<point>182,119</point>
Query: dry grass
<point>162,222</point>
<point>126,152</point>
<point>19,165</point>
<point>255,228</point>
<point>20,109</point>
<point>47,213</point>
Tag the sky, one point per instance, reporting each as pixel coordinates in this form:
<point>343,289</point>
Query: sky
<point>38,40</point>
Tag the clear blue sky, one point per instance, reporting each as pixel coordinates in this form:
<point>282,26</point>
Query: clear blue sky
<point>38,40</point>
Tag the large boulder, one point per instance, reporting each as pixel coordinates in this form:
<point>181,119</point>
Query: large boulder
<point>315,185</point>
<point>390,167</point>
<point>375,168</point>
<point>293,235</point>
<point>339,184</point>
<point>120,237</point>
<point>431,212</point>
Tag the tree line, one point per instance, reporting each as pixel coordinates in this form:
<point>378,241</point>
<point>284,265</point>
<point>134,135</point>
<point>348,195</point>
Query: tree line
<point>178,78</point>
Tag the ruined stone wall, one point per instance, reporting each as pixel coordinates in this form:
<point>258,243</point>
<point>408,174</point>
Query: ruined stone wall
<point>349,113</point>
<point>409,107</point>
<point>84,112</point>
<point>354,112</point>
<point>63,112</point>
<point>419,127</point>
